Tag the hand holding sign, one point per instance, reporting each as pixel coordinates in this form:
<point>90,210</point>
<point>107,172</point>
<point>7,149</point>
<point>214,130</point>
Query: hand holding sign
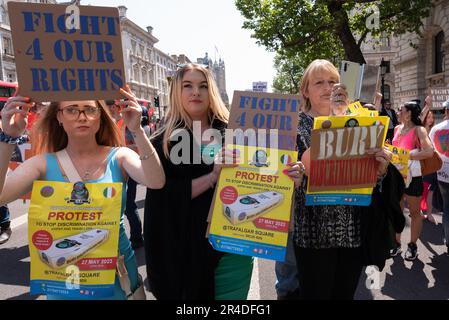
<point>383,158</point>
<point>226,159</point>
<point>131,110</point>
<point>15,115</point>
<point>295,172</point>
<point>339,99</point>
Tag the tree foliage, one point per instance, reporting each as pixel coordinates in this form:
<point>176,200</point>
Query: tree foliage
<point>327,26</point>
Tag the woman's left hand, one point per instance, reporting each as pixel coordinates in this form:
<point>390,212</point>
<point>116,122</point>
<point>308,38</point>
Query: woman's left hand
<point>295,172</point>
<point>339,99</point>
<point>383,157</point>
<point>131,110</point>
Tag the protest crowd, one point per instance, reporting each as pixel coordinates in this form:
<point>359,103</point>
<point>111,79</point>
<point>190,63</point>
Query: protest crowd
<point>98,149</point>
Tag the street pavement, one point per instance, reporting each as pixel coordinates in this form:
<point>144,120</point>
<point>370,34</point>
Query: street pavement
<point>427,278</point>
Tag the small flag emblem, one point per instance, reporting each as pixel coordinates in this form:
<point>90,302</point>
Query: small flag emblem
<point>286,159</point>
<point>109,192</point>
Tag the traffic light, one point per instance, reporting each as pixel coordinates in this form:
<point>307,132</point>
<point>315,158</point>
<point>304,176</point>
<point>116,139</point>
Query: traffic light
<point>156,101</point>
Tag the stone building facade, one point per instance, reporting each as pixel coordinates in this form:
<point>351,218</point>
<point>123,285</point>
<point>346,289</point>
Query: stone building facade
<point>218,69</point>
<point>414,70</point>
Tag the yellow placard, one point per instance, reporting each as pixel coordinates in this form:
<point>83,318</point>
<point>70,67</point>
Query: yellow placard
<point>400,159</point>
<point>356,109</point>
<point>359,196</point>
<point>252,207</point>
<point>73,234</point>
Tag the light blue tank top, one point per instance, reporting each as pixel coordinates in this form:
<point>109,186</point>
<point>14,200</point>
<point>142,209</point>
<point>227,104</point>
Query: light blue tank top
<point>113,173</point>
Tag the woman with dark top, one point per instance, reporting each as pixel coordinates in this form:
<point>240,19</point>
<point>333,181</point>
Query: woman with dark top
<point>328,239</point>
<point>181,263</point>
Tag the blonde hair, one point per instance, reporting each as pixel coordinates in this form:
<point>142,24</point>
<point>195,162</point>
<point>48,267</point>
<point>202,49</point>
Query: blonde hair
<point>315,67</point>
<point>48,136</point>
<point>177,115</point>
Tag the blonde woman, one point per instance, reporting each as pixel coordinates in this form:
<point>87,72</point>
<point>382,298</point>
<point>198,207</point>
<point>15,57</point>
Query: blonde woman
<point>181,263</point>
<point>328,239</point>
<point>87,132</point>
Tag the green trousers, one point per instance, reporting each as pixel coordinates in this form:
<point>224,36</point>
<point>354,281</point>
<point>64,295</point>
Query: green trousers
<point>233,277</point>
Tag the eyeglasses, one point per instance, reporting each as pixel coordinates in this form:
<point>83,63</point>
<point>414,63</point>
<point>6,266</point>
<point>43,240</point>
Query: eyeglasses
<point>72,113</point>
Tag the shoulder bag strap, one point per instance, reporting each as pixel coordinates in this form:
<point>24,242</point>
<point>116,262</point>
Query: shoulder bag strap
<point>67,166</point>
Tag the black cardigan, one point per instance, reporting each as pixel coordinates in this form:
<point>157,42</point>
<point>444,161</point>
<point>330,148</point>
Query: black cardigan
<point>180,261</point>
<point>382,219</point>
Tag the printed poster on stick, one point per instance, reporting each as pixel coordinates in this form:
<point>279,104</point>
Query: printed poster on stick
<point>73,231</point>
<point>341,171</point>
<point>57,59</point>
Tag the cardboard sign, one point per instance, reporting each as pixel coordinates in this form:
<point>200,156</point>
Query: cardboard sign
<point>371,84</point>
<point>351,75</point>
<point>439,95</point>
<point>257,110</point>
<point>338,155</point>
<point>55,63</point>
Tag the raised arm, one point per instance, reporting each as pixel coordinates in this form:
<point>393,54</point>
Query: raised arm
<point>20,181</point>
<point>146,169</point>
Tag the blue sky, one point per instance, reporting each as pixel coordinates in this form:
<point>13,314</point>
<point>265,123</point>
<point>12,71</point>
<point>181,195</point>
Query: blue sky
<point>195,27</point>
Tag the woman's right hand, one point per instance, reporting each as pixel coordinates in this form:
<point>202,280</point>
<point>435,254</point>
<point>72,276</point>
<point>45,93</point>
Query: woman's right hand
<point>226,159</point>
<point>15,115</point>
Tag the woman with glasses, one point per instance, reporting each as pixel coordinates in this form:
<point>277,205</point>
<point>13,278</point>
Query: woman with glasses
<point>87,132</point>
<point>412,136</point>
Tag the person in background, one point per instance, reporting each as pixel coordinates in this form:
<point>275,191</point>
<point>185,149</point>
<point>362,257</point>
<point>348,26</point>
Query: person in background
<point>389,112</point>
<point>5,228</point>
<point>412,136</point>
<point>5,223</point>
<point>131,210</point>
<point>287,283</point>
<point>439,135</point>
<point>430,181</point>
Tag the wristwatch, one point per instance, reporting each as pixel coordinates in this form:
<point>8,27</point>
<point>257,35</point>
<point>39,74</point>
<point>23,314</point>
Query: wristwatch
<point>11,140</point>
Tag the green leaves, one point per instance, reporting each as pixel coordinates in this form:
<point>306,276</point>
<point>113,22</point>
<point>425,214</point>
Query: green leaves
<point>322,28</point>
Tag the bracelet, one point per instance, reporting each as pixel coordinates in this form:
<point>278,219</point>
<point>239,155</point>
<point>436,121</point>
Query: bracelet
<point>11,140</point>
<point>147,156</point>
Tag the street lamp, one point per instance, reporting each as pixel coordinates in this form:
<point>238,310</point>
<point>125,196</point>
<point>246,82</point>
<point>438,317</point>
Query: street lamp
<point>383,72</point>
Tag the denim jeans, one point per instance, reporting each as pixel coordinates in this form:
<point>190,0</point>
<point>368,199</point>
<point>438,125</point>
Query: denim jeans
<point>4,217</point>
<point>135,224</point>
<point>444,189</point>
<point>287,272</point>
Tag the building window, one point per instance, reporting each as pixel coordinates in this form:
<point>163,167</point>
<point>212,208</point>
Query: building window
<point>151,76</point>
<point>144,76</point>
<point>142,51</point>
<point>133,46</point>
<point>136,73</point>
<point>2,15</point>
<point>439,54</point>
<point>7,45</point>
